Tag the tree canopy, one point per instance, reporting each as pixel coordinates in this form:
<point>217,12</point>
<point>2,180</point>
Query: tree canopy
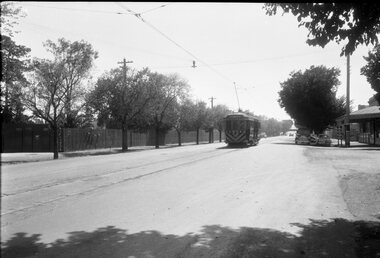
<point>9,16</point>
<point>76,60</point>
<point>358,23</point>
<point>310,97</point>
<point>55,82</point>
<point>14,62</point>
<point>372,70</point>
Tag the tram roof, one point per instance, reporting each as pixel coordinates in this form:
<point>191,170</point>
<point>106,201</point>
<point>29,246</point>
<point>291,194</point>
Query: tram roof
<point>243,115</point>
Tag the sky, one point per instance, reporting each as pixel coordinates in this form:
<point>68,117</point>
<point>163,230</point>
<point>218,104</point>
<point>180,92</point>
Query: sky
<point>241,54</point>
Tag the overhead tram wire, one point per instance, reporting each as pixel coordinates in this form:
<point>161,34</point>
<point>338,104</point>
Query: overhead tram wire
<point>73,9</point>
<point>153,9</point>
<point>138,15</point>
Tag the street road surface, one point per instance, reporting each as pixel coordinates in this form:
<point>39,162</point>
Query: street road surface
<point>276,199</point>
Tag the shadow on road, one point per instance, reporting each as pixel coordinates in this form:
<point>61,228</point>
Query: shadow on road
<point>284,143</point>
<point>319,238</point>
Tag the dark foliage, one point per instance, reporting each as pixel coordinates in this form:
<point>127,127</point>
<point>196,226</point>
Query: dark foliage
<point>310,97</point>
<point>357,23</point>
<point>372,70</point>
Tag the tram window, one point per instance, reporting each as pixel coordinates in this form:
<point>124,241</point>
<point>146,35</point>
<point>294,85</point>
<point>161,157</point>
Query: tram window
<point>228,125</point>
<point>242,125</point>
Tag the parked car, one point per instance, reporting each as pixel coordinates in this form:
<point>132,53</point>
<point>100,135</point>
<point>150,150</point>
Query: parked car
<point>321,139</point>
<point>324,140</point>
<point>302,139</point>
<point>302,136</point>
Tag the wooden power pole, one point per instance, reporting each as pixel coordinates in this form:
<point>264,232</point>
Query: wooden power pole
<point>347,117</point>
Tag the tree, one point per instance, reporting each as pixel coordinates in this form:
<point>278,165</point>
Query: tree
<point>372,70</point>
<point>167,91</point>
<point>218,113</point>
<point>77,60</point>
<point>310,97</point>
<point>183,111</point>
<point>119,103</point>
<point>358,23</point>
<point>54,83</point>
<point>200,117</point>
<point>286,125</point>
<point>15,62</point>
<point>9,16</point>
<point>45,97</point>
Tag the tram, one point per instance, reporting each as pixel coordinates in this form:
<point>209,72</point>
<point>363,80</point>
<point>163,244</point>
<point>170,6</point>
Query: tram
<point>241,129</point>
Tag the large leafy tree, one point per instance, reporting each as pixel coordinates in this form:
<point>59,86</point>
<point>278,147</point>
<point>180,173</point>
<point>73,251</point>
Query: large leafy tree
<point>14,63</point>
<point>54,82</point>
<point>167,91</point>
<point>120,101</point>
<point>45,96</point>
<point>372,70</point>
<point>76,59</point>
<point>357,23</point>
<point>310,97</point>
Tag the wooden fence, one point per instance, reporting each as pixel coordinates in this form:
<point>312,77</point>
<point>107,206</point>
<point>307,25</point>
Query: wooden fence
<point>74,139</point>
<point>26,138</point>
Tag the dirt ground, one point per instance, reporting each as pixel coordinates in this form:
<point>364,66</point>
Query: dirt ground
<point>359,177</point>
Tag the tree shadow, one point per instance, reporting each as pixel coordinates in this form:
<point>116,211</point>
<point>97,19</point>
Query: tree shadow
<point>319,238</point>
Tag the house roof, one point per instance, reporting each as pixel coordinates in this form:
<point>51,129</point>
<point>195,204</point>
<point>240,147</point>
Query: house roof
<point>362,114</point>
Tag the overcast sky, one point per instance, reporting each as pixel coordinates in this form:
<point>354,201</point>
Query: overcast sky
<point>231,42</point>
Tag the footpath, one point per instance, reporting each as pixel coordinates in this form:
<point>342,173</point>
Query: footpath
<point>22,157</point>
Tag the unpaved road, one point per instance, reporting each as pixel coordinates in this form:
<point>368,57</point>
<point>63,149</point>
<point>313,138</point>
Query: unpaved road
<point>276,199</point>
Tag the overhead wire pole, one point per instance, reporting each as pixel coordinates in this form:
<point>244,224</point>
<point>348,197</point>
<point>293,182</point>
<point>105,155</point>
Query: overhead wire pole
<point>212,102</point>
<point>347,117</point>
<point>125,128</point>
<point>124,63</point>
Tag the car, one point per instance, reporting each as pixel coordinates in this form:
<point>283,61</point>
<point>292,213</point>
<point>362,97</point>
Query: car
<point>302,139</point>
<point>324,140</point>
<point>320,139</point>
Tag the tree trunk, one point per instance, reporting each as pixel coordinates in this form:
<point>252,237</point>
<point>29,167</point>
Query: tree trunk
<point>55,142</point>
<point>220,135</point>
<point>211,135</point>
<point>179,138</point>
<point>157,137</point>
<point>197,136</point>
<point>124,134</point>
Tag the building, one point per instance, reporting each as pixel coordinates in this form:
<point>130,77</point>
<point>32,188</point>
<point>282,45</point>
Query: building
<point>368,119</point>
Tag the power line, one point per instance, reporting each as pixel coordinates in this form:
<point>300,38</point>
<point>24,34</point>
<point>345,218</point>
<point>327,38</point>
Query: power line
<point>168,38</point>
<point>113,43</point>
<point>161,6</point>
<point>246,62</point>
<point>74,9</point>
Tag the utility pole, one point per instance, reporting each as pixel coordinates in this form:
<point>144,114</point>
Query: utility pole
<point>347,118</point>
<point>124,63</point>
<point>212,102</point>
<point>124,123</point>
